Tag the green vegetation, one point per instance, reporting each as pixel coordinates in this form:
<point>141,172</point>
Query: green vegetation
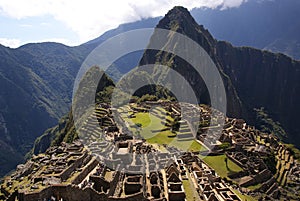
<point>225,145</point>
<point>188,190</point>
<point>218,163</point>
<point>170,139</point>
<point>148,121</point>
<point>147,97</point>
<point>196,146</point>
<point>266,124</point>
<point>145,119</point>
<point>155,131</point>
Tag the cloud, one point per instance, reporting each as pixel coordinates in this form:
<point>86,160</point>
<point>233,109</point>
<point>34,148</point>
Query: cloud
<point>44,24</point>
<point>26,25</point>
<point>232,3</point>
<point>90,18</point>
<point>13,43</point>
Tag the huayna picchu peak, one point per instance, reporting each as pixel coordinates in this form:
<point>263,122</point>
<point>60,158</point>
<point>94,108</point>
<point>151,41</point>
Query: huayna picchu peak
<point>180,20</point>
<point>154,146</point>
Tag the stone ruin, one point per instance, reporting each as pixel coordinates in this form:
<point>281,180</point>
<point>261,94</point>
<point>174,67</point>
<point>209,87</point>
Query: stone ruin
<point>120,167</point>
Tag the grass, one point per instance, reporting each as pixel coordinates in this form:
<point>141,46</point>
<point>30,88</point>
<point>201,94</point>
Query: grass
<point>188,190</point>
<point>164,137</point>
<point>151,131</point>
<point>218,164</point>
<point>143,118</point>
<point>148,121</point>
<point>196,146</point>
<point>170,139</point>
<point>150,124</point>
<point>254,187</point>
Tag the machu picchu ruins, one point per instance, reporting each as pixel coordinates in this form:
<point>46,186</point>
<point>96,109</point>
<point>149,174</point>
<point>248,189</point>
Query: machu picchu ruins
<point>159,150</point>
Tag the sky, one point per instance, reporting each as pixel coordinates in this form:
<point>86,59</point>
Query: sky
<point>73,22</point>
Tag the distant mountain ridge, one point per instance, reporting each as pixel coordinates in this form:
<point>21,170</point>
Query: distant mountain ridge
<point>264,24</point>
<point>35,91</point>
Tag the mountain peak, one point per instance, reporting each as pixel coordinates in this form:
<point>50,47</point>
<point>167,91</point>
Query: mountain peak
<point>176,16</point>
<point>180,20</point>
<point>179,11</point>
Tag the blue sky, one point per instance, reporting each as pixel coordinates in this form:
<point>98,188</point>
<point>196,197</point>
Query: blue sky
<point>75,22</point>
<point>35,29</point>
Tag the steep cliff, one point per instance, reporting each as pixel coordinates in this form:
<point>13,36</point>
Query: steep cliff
<point>264,79</point>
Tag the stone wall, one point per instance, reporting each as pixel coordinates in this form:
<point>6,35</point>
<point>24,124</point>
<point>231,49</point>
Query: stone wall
<point>235,161</point>
<point>263,176</point>
<point>114,182</point>
<point>74,193</point>
<point>38,196</point>
<point>100,184</point>
<point>238,175</point>
<point>87,169</point>
<point>67,172</point>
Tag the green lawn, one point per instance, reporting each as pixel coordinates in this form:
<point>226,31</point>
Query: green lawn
<point>218,164</point>
<point>196,146</point>
<point>164,137</point>
<point>150,130</point>
<point>188,190</point>
<point>185,145</point>
<point>150,124</point>
<point>143,118</point>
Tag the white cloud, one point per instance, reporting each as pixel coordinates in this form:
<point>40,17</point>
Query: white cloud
<point>44,24</point>
<point>13,43</point>
<point>26,25</point>
<point>90,18</point>
<point>232,3</point>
